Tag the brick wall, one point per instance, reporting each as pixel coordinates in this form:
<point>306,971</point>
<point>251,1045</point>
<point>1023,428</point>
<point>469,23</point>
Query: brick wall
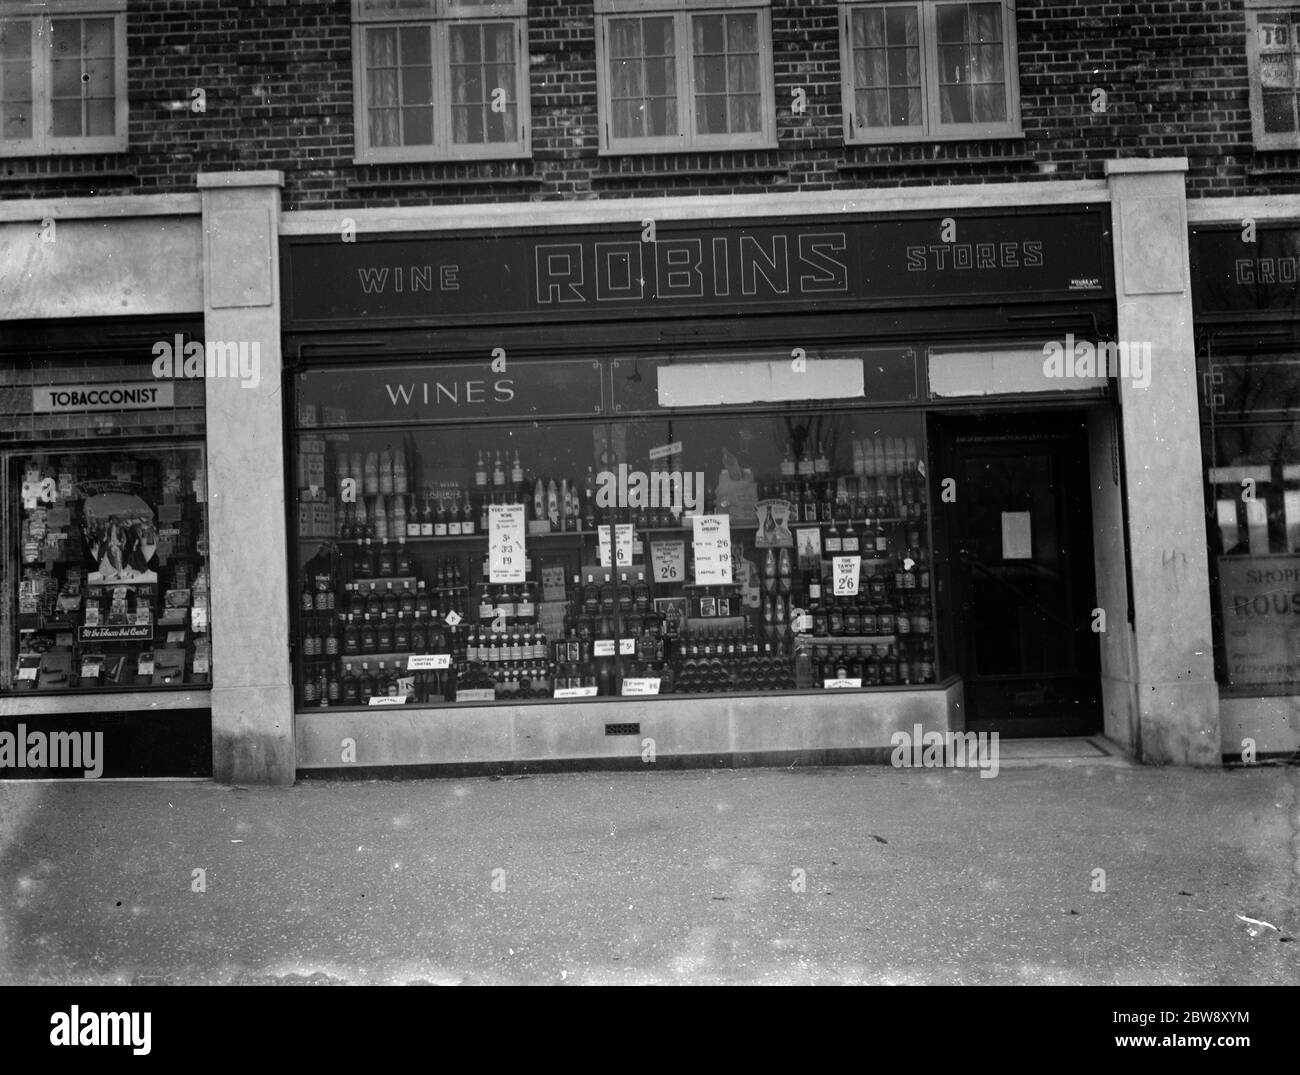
<point>278,79</point>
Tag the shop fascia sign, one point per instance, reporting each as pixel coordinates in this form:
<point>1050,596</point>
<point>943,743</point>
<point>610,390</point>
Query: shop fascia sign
<point>647,269</point>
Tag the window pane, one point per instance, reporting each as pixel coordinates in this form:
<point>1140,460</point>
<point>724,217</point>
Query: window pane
<point>1279,113</point>
<point>952,22</point>
<point>417,126</point>
<point>990,104</point>
<point>642,78</point>
<point>101,118</point>
<point>726,74</point>
<point>99,38</point>
<point>15,78</point>
<point>868,27</point>
<point>484,105</point>
<point>385,127</point>
<point>895,70</point>
<point>902,26</point>
<point>67,118</point>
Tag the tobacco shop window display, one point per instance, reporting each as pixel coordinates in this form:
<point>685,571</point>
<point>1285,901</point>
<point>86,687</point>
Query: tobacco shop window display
<point>112,572</point>
<point>585,558</point>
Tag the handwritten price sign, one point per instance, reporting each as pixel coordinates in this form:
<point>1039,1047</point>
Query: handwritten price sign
<point>622,544</point>
<point>712,550</point>
<point>847,569</point>
<point>506,555</point>
<point>669,560</point>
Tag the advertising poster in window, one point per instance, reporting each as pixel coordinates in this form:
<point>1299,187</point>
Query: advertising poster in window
<point>1261,619</point>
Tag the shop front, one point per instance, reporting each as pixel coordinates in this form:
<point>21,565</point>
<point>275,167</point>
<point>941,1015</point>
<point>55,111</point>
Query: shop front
<point>105,644</point>
<point>696,491</point>
<point>1246,275</point>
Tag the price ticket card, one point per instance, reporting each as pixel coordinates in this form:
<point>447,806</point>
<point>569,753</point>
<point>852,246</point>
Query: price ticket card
<point>847,569</point>
<point>668,559</point>
<point>712,549</point>
<point>423,662</point>
<point>384,699</point>
<point>623,544</point>
<point>633,687</point>
<point>506,543</point>
<point>575,692</point>
<point>605,542</point>
<point>603,647</point>
<point>627,647</point>
<point>452,618</point>
<point>842,684</point>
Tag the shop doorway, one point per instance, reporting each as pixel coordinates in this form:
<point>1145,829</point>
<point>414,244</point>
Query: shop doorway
<point>1020,572</point>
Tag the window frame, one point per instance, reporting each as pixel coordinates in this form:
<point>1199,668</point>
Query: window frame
<point>440,17</point>
<point>932,129</point>
<point>1260,138</point>
<point>686,141</point>
<point>43,142</point>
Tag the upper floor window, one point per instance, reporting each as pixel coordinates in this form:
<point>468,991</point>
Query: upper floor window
<point>62,77</point>
<point>440,79</point>
<point>685,76</point>
<point>1273,53</point>
<point>925,70</point>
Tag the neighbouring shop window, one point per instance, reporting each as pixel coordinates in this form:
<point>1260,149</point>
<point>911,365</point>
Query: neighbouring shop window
<point>927,69</point>
<point>678,76</point>
<point>1252,461</point>
<point>440,79</point>
<point>63,77</point>
<point>110,558</point>
<point>1273,53</point>
<point>729,552</point>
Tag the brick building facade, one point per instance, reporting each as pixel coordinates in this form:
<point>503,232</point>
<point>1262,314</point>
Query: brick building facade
<point>1133,131</point>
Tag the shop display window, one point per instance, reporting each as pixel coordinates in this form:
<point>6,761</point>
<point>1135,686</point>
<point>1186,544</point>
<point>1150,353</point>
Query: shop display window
<point>108,551</point>
<point>694,554</point>
<point>1253,494</point>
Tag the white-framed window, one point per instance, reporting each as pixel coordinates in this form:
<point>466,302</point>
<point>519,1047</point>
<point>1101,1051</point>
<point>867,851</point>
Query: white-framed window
<point>685,75</point>
<point>62,77</point>
<point>440,79</point>
<point>929,70</point>
<point>1273,55</point>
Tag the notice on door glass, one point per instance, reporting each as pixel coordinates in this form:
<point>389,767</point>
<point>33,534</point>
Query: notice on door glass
<point>712,550</point>
<point>668,558</point>
<point>1016,543</point>
<point>847,570</point>
<point>623,544</point>
<point>506,543</point>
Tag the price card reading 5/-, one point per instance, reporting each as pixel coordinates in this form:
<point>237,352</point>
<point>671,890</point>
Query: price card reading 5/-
<point>506,555</point>
<point>847,569</point>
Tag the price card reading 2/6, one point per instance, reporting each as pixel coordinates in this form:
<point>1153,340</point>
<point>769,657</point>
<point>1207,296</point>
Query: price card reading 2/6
<point>847,569</point>
<point>669,560</point>
<point>712,550</point>
<point>506,543</point>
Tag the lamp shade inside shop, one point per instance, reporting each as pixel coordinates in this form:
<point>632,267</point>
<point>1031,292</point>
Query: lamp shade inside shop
<point>512,515</point>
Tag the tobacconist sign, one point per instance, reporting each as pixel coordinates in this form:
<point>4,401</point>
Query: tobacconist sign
<point>66,398</point>
<point>841,262</point>
<point>1245,268</point>
<point>1261,618</point>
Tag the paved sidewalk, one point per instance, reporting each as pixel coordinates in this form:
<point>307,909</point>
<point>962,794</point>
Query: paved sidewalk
<point>688,876</point>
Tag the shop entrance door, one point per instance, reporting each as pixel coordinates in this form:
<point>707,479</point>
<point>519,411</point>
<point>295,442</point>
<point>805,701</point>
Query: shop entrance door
<point>1021,574</point>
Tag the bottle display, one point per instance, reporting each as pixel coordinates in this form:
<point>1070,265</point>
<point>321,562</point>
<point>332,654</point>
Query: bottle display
<point>611,600</point>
